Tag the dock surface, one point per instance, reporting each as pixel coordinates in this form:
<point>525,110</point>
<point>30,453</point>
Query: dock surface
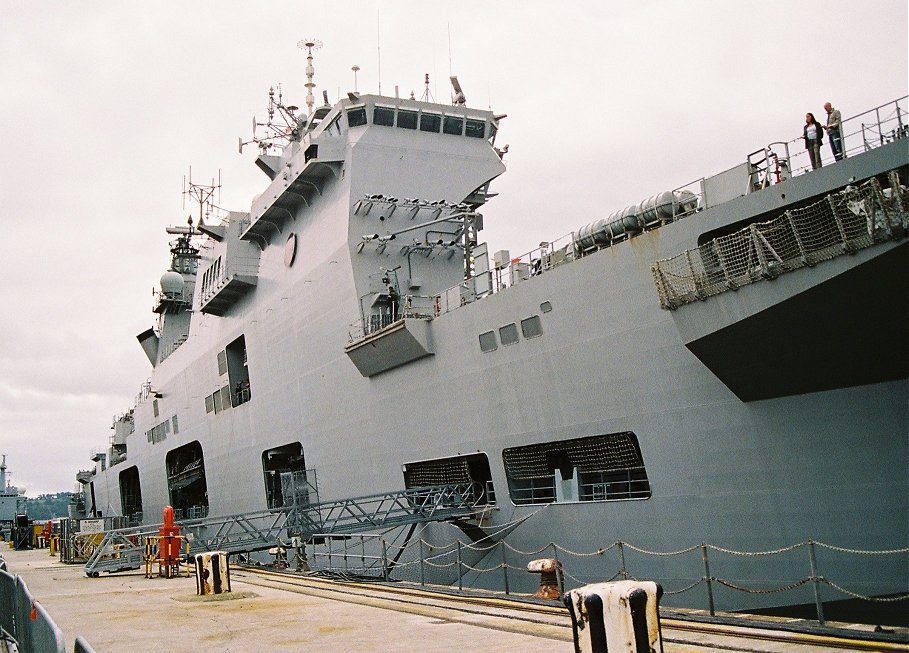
<point>269,610</point>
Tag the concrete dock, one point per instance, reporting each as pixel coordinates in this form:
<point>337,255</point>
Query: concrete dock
<point>273,611</point>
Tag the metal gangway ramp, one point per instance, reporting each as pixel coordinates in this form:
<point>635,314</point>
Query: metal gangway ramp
<point>124,549</point>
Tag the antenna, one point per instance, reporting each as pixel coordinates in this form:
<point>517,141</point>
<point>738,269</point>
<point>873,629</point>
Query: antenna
<point>309,45</point>
<point>427,96</point>
<point>282,126</point>
<point>201,194</point>
<point>379,49</point>
<point>355,68</point>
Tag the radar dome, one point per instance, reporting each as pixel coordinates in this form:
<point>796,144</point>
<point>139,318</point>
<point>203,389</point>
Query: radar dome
<point>172,284</point>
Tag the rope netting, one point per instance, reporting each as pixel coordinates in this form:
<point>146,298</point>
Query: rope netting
<point>844,222</point>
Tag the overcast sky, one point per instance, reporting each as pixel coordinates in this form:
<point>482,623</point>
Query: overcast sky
<point>104,106</point>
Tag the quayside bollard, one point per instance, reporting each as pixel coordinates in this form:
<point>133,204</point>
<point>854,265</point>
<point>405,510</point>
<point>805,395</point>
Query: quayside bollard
<point>212,572</point>
<point>621,616</point>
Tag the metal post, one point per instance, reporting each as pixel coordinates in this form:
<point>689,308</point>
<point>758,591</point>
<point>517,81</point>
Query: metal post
<point>817,589</point>
<point>708,578</point>
<point>460,584</point>
<point>363,553</point>
<point>422,571</point>
<point>328,542</point>
<point>384,560</point>
<point>624,570</point>
<point>555,556</point>
<point>504,566</point>
<point>345,555</point>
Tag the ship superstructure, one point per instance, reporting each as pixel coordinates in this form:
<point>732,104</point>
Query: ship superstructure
<point>352,329</point>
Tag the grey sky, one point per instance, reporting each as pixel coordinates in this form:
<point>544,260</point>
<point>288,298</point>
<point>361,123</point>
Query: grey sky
<point>105,105</point>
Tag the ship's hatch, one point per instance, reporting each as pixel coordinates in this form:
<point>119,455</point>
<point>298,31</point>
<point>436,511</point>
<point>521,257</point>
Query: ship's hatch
<point>286,480</point>
<point>131,495</point>
<point>186,481</point>
<point>472,468</point>
<point>597,468</point>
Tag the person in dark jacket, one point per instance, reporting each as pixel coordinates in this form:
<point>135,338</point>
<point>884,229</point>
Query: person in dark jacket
<point>814,136</point>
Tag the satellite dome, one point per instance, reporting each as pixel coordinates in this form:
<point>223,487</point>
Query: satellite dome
<point>172,284</point>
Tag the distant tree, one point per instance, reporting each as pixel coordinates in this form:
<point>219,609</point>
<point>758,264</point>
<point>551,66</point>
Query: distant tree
<point>48,506</point>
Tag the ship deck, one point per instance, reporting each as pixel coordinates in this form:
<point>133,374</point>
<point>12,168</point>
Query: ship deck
<point>281,611</point>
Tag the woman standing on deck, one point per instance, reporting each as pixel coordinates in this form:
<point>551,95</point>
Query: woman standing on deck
<point>814,136</point>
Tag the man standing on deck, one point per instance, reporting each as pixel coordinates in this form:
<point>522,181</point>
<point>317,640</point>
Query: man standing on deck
<point>835,131</point>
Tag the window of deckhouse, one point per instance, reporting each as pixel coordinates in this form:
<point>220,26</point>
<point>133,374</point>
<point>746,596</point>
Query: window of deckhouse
<point>407,119</point>
<point>475,128</point>
<point>384,116</point>
<point>356,117</point>
<point>430,122</point>
<point>453,125</point>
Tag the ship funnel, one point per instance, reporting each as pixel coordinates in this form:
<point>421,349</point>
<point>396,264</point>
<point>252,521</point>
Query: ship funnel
<point>149,342</point>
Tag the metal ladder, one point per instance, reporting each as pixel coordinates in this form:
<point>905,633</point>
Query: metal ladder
<point>124,549</point>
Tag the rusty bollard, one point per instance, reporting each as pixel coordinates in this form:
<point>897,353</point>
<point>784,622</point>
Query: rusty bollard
<point>549,570</point>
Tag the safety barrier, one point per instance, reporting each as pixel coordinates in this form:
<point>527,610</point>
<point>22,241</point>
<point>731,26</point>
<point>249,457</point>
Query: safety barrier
<point>25,621</point>
<point>841,223</point>
<point>417,560</point>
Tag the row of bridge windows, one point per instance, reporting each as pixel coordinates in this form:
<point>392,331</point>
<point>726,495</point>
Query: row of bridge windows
<point>425,121</point>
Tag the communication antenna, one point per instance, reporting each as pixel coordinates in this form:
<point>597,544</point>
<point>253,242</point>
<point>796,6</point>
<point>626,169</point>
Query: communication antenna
<point>282,127</point>
<point>355,68</point>
<point>309,45</point>
<point>427,96</point>
<point>201,194</point>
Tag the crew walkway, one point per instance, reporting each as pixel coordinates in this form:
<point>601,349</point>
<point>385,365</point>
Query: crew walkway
<point>125,548</point>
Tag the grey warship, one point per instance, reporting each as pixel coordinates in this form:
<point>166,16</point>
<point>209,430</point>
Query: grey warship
<point>719,368</point>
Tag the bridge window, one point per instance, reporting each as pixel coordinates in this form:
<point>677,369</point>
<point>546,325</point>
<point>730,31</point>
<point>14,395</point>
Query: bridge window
<point>475,128</point>
<point>384,116</point>
<point>430,122</point>
<point>453,125</point>
<point>407,119</point>
<point>598,468</point>
<point>356,117</point>
<point>457,470</point>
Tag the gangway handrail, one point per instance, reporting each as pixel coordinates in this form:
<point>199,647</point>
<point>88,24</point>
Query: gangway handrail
<point>124,548</point>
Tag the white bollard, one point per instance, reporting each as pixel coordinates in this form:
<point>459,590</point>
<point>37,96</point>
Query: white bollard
<point>622,616</point>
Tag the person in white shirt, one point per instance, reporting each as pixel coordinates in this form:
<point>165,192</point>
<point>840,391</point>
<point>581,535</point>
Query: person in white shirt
<point>814,136</point>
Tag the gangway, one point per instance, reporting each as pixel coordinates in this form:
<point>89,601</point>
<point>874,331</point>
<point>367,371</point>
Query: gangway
<point>125,548</point>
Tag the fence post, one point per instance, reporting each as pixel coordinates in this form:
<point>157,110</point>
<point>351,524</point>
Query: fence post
<point>708,579</point>
<point>817,589</point>
<point>346,568</point>
<point>460,586</point>
<point>624,570</point>
<point>384,560</point>
<point>422,571</point>
<point>504,566</point>
<point>559,574</point>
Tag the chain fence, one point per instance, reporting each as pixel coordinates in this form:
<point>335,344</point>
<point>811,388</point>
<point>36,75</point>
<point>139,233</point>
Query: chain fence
<point>494,565</point>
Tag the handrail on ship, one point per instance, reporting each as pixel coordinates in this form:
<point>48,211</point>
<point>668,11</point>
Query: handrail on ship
<point>776,164</point>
